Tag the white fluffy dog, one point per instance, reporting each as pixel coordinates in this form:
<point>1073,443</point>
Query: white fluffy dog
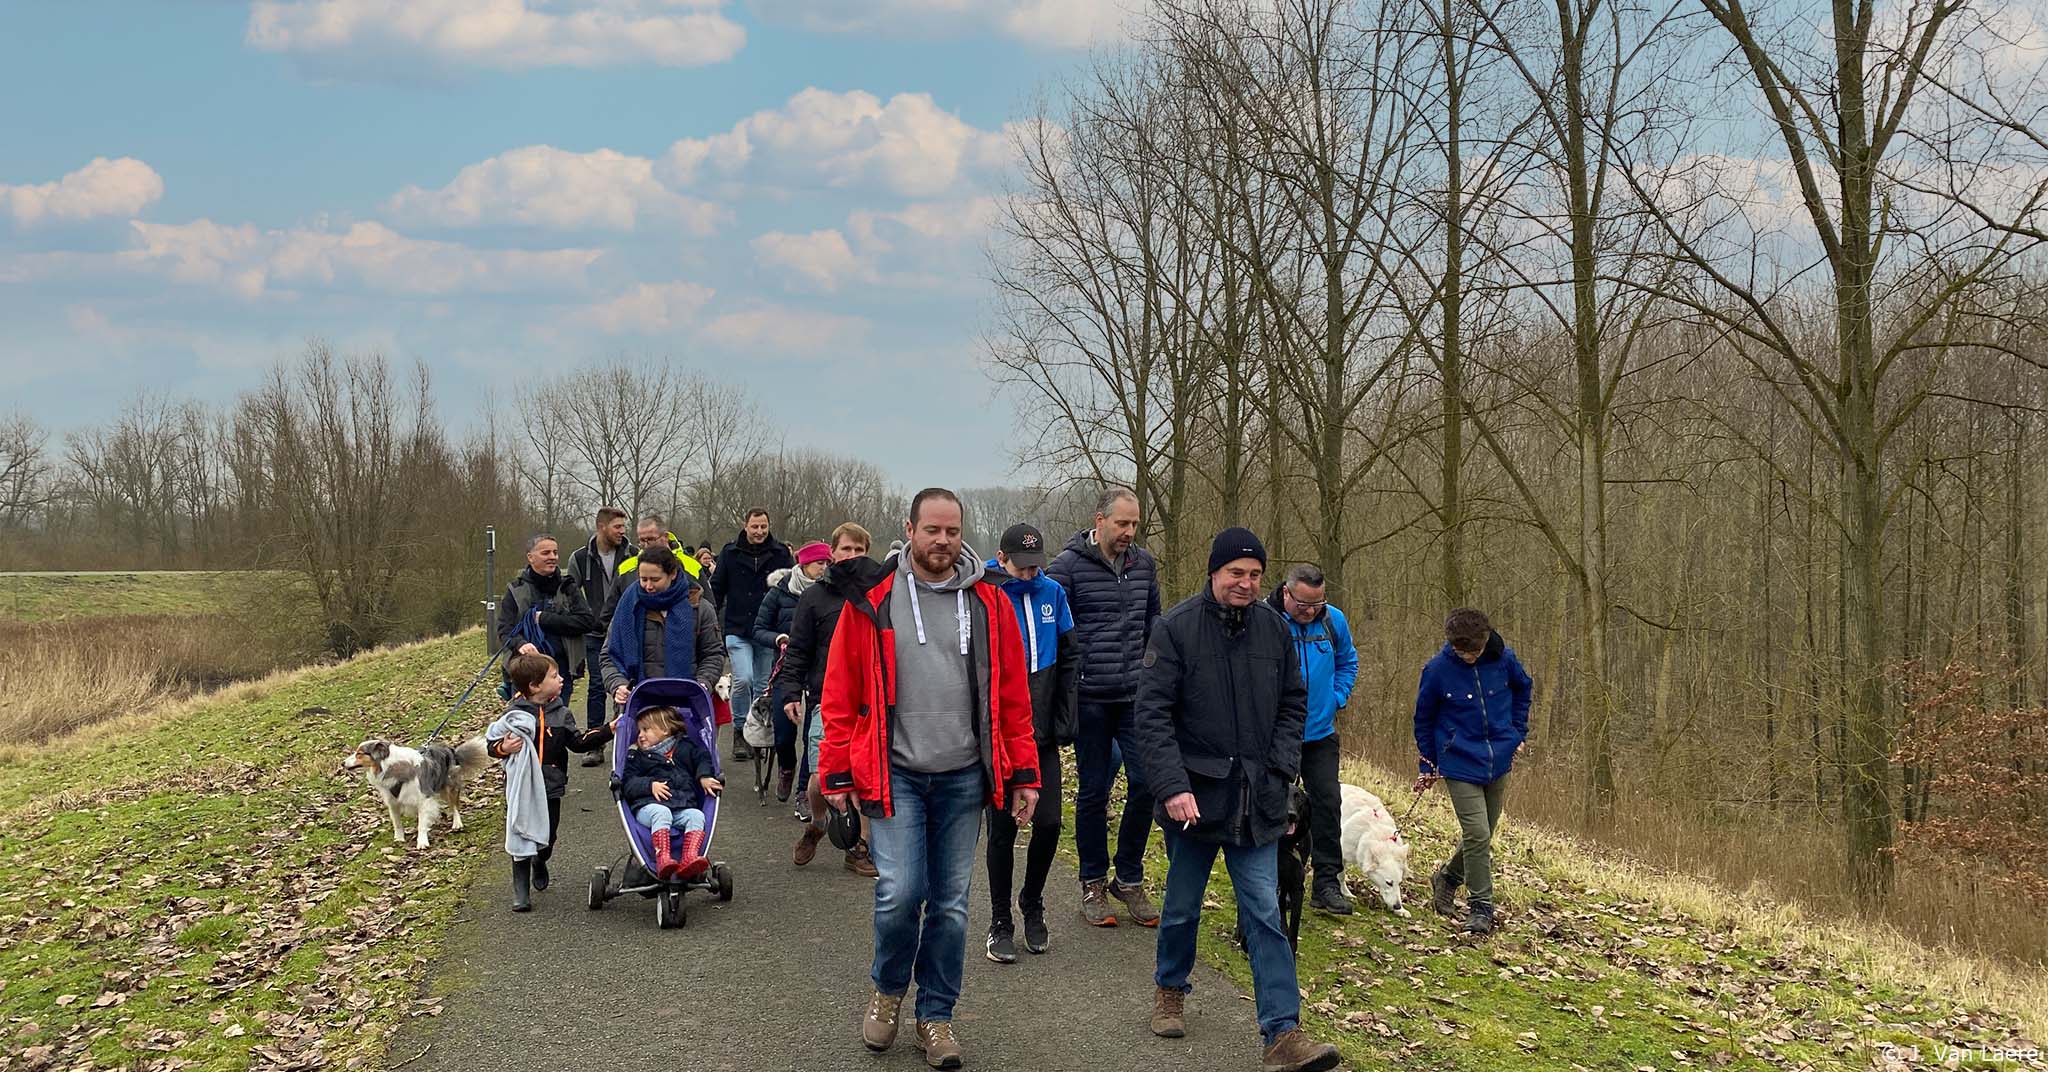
<point>1372,845</point>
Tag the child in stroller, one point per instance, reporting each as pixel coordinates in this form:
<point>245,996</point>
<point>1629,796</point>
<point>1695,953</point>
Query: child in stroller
<point>666,775</point>
<point>638,871</point>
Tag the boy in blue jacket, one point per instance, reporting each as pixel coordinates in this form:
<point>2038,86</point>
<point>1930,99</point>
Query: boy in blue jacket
<point>1471,716</point>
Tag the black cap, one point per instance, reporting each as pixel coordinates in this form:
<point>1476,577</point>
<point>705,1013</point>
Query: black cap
<point>1024,544</point>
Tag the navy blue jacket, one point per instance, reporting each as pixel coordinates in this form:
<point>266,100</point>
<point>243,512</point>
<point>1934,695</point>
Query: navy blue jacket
<point>680,769</point>
<point>1469,719</point>
<point>1113,614</point>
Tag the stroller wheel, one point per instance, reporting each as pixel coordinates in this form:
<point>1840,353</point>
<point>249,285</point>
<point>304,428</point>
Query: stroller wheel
<point>669,911</point>
<point>600,885</point>
<point>721,877</point>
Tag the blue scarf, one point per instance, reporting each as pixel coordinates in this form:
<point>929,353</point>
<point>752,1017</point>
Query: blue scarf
<point>678,632</point>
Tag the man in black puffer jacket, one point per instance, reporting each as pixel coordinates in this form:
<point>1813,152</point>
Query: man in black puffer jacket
<point>1113,588</point>
<point>1220,716</point>
<point>739,583</point>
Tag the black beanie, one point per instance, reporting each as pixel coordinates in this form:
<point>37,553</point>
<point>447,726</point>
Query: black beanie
<point>1233,544</point>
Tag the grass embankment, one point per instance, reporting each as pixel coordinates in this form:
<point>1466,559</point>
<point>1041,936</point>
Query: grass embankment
<point>50,597</point>
<point>196,888</point>
<point>1603,966</point>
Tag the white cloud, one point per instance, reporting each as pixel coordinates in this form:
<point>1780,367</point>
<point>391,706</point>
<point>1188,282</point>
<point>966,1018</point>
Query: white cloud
<point>783,329</point>
<point>251,262</point>
<point>908,146</point>
<point>391,36</point>
<point>121,187</point>
<point>542,186</point>
<point>1055,23</point>
<point>647,309</point>
<point>823,258</point>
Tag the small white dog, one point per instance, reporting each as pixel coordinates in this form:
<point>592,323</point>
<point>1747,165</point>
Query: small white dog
<point>419,782</point>
<point>1372,845</point>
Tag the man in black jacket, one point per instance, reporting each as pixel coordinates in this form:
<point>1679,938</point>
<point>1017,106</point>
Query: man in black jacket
<point>538,606</point>
<point>738,584</point>
<point>1112,586</point>
<point>1220,711</point>
<point>593,565</point>
<point>803,674</point>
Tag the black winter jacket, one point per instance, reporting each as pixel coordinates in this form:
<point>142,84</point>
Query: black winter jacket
<point>1113,613</point>
<point>680,769</point>
<point>815,617</point>
<point>741,579</point>
<point>596,581</point>
<point>565,616</point>
<point>1219,714</point>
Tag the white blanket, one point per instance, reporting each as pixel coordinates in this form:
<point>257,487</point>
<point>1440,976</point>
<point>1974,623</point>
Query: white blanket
<point>526,794</point>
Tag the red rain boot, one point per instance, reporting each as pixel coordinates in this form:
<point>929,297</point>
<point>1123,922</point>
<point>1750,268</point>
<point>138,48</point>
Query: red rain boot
<point>664,859</point>
<point>691,863</point>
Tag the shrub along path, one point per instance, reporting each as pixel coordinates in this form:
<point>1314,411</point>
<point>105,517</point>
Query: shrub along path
<point>778,978</point>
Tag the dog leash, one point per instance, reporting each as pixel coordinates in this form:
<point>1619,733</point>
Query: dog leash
<point>464,698</point>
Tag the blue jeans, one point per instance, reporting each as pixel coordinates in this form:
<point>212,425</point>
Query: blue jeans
<point>1106,739</point>
<point>1255,876</point>
<point>925,853</point>
<point>658,816</point>
<point>739,661</point>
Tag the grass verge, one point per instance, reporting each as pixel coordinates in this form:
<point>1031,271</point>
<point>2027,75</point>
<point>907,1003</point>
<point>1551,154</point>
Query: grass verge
<point>195,888</point>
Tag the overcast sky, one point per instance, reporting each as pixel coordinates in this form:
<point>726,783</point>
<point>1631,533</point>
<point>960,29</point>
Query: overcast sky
<point>792,195</point>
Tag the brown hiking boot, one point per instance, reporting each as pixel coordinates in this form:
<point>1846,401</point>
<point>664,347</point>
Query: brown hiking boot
<point>1169,1012</point>
<point>807,845</point>
<point>1140,905</point>
<point>1296,1052</point>
<point>878,1027</point>
<point>860,863</point>
<point>941,1049</point>
<point>1095,904</point>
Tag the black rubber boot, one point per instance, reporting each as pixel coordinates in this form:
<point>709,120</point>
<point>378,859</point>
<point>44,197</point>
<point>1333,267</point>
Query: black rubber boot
<point>522,885</point>
<point>540,874</point>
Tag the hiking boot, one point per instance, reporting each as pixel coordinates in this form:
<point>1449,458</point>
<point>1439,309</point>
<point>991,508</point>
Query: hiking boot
<point>1140,905</point>
<point>594,759</point>
<point>690,861</point>
<point>1296,1052</point>
<point>941,1049</point>
<point>878,1027</point>
<point>1479,919</point>
<point>1443,893</point>
<point>807,845</point>
<point>1169,1012</point>
<point>1036,938</point>
<point>860,863</point>
<point>540,874</point>
<point>741,753</point>
<point>1095,904</point>
<point>522,885</point>
<point>1331,899</point>
<point>1002,945</point>
<point>783,783</point>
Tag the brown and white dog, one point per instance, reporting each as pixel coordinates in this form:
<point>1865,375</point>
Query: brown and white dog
<point>419,782</point>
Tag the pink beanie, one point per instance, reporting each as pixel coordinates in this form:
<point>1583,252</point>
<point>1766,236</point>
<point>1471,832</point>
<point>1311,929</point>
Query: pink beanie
<point>815,551</point>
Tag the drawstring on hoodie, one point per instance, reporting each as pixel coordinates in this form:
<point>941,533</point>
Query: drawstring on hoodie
<point>960,614</point>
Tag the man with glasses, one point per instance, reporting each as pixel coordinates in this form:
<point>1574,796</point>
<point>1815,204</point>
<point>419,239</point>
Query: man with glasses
<point>1329,665</point>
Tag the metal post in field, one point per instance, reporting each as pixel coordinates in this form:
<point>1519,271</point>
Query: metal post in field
<point>490,587</point>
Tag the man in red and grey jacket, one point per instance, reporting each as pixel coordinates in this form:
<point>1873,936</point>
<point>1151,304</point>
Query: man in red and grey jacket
<point>927,709</point>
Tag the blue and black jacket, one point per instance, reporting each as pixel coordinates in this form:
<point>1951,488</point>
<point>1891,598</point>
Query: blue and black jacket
<point>1470,718</point>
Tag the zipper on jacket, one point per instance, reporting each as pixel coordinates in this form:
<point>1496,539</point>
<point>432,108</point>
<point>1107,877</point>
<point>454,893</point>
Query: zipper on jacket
<point>1485,721</point>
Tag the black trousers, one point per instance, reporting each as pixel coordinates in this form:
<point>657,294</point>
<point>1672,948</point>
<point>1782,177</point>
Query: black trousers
<point>554,828</point>
<point>1045,840</point>
<point>1325,810</point>
<point>596,707</point>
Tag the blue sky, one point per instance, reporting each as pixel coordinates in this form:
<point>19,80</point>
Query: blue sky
<point>791,195</point>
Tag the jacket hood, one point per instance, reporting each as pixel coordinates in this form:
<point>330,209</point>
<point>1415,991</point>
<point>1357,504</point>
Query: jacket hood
<point>776,578</point>
<point>1495,648</point>
<point>996,575</point>
<point>854,575</point>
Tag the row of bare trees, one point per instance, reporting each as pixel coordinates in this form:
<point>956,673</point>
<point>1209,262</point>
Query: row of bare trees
<point>340,471</point>
<point>1690,332</point>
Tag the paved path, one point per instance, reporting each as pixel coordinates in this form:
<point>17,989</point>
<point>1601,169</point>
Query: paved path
<point>778,978</point>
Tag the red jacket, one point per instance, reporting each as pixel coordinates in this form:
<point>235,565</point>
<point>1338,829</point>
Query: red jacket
<point>860,694</point>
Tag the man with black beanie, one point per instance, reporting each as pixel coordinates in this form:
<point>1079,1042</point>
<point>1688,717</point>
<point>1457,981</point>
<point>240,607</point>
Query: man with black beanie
<point>1221,705</point>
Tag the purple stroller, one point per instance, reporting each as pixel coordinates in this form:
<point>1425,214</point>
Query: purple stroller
<point>634,872</point>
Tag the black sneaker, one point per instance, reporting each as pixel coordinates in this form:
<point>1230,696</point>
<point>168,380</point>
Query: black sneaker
<point>1479,920</point>
<point>802,811</point>
<point>1332,900</point>
<point>1036,938</point>
<point>1001,948</point>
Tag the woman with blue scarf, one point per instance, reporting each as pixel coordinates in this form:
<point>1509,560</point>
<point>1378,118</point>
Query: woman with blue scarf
<point>657,632</point>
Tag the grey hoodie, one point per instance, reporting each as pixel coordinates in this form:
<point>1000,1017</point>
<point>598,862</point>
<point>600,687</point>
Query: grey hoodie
<point>934,730</point>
